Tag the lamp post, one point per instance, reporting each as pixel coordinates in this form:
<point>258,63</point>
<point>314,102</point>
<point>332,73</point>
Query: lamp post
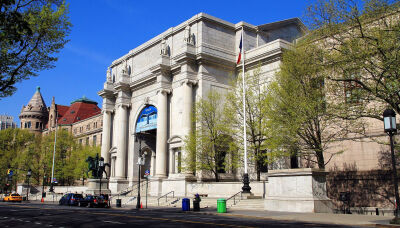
<point>44,179</point>
<point>141,161</point>
<point>389,121</point>
<point>29,174</point>
<point>100,170</point>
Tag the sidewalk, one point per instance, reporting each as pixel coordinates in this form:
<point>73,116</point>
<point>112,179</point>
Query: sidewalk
<point>339,219</point>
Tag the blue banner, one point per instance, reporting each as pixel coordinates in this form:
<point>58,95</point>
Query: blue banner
<point>147,119</point>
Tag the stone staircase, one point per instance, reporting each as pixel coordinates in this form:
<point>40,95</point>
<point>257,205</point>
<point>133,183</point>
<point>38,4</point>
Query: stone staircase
<point>249,204</point>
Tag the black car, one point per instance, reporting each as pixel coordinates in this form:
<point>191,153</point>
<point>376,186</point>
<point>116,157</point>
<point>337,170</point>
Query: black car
<point>71,199</point>
<point>95,201</point>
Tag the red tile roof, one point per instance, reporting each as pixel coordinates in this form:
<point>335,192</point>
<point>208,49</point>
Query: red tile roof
<point>78,111</point>
<point>62,109</point>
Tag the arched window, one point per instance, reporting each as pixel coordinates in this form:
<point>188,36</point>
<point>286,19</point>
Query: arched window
<point>147,119</point>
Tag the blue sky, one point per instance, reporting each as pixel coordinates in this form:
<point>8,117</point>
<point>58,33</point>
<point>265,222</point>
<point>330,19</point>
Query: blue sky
<point>104,30</point>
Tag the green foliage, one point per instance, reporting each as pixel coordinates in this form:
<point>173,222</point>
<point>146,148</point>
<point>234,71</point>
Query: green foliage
<point>298,107</point>
<point>15,152</point>
<point>31,32</point>
<point>21,150</point>
<point>259,137</point>
<point>210,146</point>
<point>359,42</point>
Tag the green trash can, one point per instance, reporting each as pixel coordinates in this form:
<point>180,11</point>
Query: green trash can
<point>221,205</point>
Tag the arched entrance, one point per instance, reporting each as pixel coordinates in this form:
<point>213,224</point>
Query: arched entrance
<point>145,133</point>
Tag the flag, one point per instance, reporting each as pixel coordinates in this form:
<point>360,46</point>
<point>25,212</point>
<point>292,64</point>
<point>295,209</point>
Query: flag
<point>240,49</point>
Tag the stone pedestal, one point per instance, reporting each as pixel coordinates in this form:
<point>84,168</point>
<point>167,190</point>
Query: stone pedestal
<point>182,176</point>
<point>117,185</point>
<point>297,190</point>
<point>94,187</point>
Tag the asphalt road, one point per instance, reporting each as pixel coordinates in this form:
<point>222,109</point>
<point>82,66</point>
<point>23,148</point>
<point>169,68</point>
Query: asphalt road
<point>45,215</point>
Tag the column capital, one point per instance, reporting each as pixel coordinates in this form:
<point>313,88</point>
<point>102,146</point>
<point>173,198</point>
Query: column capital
<point>189,82</point>
<point>164,91</point>
<point>107,111</point>
<point>123,105</point>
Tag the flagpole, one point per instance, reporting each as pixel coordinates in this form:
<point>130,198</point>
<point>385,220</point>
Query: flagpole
<point>246,181</point>
<point>54,156</point>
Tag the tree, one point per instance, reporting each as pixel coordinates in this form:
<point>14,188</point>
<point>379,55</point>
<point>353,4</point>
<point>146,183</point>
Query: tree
<point>63,166</point>
<point>79,164</point>
<point>359,42</point>
<point>211,143</point>
<point>31,33</point>
<point>15,145</point>
<point>258,133</point>
<point>297,106</point>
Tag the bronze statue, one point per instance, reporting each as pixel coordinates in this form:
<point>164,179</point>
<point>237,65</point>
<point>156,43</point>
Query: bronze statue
<point>93,165</point>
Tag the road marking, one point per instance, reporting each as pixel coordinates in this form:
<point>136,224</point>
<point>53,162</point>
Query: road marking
<point>114,222</point>
<point>170,220</point>
<point>142,217</point>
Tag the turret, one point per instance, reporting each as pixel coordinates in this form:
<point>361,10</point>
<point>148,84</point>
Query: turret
<point>34,115</point>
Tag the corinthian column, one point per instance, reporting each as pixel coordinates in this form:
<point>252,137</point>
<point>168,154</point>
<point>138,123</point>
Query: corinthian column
<point>122,112</point>
<point>161,148</point>
<point>187,116</point>
<point>187,105</point>
<point>106,138</point>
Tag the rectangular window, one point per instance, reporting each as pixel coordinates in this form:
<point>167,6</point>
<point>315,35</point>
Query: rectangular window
<point>87,141</point>
<point>94,140</point>
<point>37,125</point>
<point>80,142</point>
<point>29,124</point>
<point>352,91</point>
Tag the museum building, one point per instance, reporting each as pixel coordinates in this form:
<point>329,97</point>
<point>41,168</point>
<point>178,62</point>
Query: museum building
<point>150,92</point>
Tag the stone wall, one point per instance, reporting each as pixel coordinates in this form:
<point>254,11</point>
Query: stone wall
<point>367,188</point>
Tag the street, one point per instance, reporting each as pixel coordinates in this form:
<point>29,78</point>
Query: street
<point>51,215</point>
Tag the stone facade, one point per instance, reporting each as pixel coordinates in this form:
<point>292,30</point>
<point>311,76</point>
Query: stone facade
<point>34,115</point>
<point>89,131</point>
<point>170,73</point>
<point>83,118</point>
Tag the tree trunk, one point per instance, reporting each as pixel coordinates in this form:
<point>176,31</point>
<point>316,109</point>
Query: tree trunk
<point>320,159</point>
<point>216,176</point>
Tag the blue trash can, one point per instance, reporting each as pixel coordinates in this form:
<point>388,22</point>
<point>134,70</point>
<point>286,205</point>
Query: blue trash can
<point>185,204</point>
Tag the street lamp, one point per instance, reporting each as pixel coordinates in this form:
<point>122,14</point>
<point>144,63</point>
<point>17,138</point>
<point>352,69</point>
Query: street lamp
<point>100,170</point>
<point>44,179</point>
<point>141,161</point>
<point>29,174</point>
<point>389,121</point>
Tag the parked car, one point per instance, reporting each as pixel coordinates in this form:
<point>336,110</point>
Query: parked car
<point>95,201</point>
<point>12,197</point>
<point>71,199</point>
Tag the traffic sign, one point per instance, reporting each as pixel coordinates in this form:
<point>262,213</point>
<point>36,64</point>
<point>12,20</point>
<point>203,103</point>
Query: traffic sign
<point>147,172</point>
